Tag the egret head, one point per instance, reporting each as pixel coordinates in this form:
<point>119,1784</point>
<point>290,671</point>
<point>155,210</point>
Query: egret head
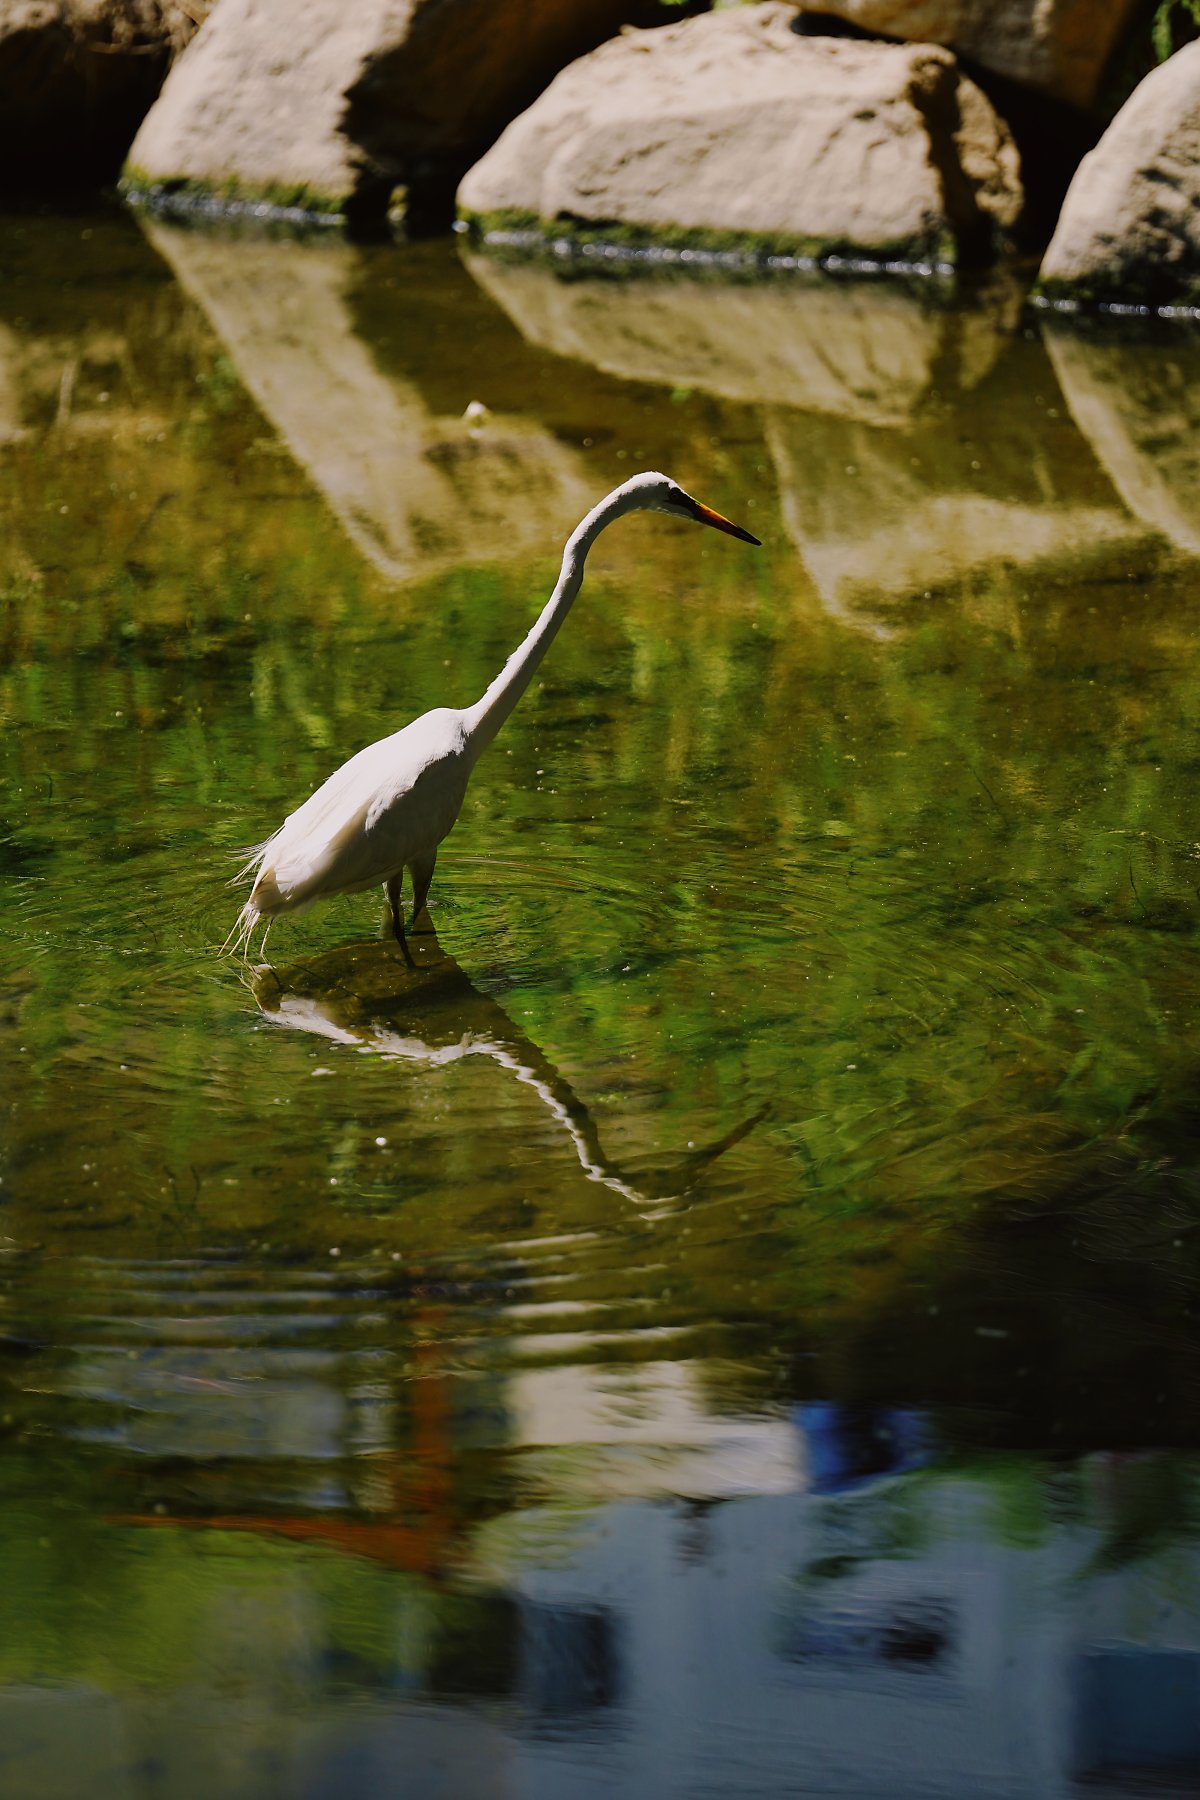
<point>661,494</point>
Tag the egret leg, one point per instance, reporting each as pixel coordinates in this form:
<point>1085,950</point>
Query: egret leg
<point>397,906</point>
<point>422,875</point>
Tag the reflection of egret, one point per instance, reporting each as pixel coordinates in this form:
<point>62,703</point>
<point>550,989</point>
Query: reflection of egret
<point>389,807</point>
<point>437,1017</point>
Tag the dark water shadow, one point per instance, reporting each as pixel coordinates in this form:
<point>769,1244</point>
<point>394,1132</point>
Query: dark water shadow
<point>362,995</point>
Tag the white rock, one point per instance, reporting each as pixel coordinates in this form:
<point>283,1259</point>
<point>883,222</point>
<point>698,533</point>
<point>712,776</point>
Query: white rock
<point>332,102</point>
<point>1130,224</point>
<point>734,123</point>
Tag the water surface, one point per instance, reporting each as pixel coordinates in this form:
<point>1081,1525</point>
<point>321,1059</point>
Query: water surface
<point>727,1323</point>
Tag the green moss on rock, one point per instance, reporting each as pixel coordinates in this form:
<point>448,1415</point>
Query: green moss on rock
<point>1155,290</point>
<point>186,195</point>
<point>936,250</point>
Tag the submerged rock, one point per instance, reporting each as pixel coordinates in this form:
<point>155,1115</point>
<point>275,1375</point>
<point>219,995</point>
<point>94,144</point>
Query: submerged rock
<point>76,80</point>
<point>732,124</point>
<point>1058,47</point>
<point>1130,225</point>
<point>331,106</point>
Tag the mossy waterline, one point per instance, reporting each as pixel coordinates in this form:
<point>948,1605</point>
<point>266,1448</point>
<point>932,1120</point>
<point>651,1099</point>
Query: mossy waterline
<point>186,197</point>
<point>1119,293</point>
<point>523,232</point>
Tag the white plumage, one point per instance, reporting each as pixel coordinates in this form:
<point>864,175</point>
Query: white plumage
<point>390,806</point>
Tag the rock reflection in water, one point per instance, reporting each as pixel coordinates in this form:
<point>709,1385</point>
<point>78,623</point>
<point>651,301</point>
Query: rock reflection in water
<point>880,517</point>
<point>362,995</point>
<point>415,492</point>
<point>876,352</point>
<point>1139,407</point>
<point>914,443</point>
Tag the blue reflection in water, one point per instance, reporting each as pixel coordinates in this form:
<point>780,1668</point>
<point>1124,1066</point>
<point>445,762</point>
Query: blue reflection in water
<point>811,1602</point>
<point>848,1445</point>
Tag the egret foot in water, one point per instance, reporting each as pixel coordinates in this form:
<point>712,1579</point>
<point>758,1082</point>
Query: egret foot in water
<point>422,875</point>
<point>397,906</point>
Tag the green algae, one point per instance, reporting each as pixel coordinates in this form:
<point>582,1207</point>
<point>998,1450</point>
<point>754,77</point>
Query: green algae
<point>499,228</point>
<point>190,196</point>
<point>1136,292</point>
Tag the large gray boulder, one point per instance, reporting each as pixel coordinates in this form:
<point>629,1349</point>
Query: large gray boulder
<point>1058,47</point>
<point>256,106</point>
<point>332,106</point>
<point>734,124</point>
<point>76,80</point>
<point>1130,224</point>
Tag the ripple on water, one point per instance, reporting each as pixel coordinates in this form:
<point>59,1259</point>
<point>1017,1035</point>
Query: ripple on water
<point>221,1356</point>
<point>211,1360</point>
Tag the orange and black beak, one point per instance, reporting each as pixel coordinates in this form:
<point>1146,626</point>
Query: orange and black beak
<point>706,516</point>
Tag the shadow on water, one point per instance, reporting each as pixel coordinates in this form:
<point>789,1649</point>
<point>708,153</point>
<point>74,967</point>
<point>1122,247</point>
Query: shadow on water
<point>434,1015</point>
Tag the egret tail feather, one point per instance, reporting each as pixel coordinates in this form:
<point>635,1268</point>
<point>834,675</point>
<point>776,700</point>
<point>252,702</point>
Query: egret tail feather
<point>243,930</point>
<point>253,854</point>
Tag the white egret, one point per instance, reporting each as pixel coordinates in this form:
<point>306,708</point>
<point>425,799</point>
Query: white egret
<point>389,807</point>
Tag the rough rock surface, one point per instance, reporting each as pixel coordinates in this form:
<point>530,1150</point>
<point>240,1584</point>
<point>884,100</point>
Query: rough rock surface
<point>1130,225</point>
<point>332,104</point>
<point>735,123</point>
<point>76,79</point>
<point>1059,47</point>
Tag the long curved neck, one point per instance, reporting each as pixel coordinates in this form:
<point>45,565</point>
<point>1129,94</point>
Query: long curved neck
<point>483,720</point>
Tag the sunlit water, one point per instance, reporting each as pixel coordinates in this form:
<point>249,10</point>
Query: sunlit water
<point>727,1323</point>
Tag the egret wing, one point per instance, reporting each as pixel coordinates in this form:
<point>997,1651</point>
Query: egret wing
<point>314,850</point>
<point>355,830</point>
